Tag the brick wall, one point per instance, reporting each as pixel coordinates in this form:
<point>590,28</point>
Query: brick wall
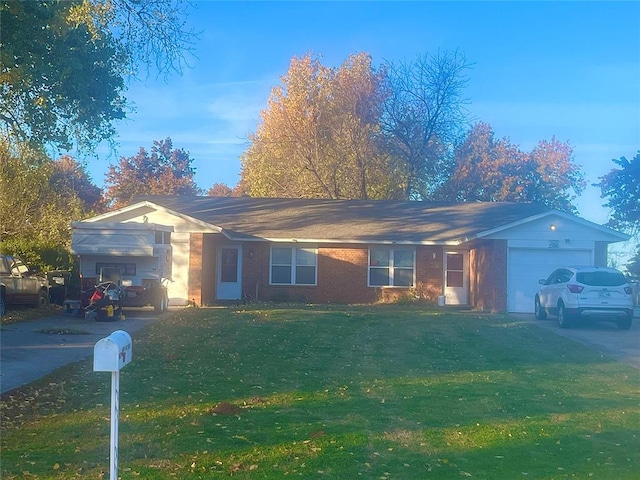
<point>488,276</point>
<point>342,276</point>
<point>429,275</point>
<point>209,261</point>
<point>255,273</point>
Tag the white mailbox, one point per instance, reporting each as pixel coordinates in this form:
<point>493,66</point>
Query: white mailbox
<point>109,355</point>
<point>113,352</point>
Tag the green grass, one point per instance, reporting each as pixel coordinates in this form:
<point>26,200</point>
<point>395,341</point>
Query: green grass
<point>335,392</point>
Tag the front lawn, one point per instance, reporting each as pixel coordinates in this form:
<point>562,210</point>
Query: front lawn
<point>335,392</point>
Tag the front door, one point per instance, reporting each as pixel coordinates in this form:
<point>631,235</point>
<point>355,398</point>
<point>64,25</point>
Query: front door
<point>229,273</point>
<point>456,278</point>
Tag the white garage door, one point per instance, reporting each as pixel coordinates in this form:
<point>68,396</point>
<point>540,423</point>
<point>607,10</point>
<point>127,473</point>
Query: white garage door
<point>527,266</point>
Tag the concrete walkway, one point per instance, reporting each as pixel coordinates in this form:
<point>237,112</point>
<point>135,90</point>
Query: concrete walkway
<point>29,350</point>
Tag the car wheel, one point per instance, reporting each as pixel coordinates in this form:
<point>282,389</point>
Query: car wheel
<point>625,323</point>
<point>2,305</point>
<point>563,319</point>
<point>540,312</point>
<point>161,304</point>
<point>43,299</point>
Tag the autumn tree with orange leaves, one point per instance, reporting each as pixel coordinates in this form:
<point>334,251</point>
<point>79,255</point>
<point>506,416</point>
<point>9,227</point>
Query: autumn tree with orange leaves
<point>493,169</point>
<point>164,171</point>
<point>319,135</point>
<point>357,131</point>
<point>71,175</point>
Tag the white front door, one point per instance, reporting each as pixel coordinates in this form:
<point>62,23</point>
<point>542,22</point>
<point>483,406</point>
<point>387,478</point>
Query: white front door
<point>229,273</point>
<point>456,278</point>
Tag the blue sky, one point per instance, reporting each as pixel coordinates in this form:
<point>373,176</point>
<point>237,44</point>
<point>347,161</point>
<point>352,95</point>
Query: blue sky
<point>569,69</point>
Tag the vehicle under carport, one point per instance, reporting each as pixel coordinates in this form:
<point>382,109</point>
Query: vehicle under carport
<point>135,256</point>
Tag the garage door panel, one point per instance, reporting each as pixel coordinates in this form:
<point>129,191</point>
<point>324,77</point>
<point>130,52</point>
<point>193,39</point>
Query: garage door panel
<point>527,266</point>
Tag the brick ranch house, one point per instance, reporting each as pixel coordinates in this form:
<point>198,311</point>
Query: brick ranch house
<point>488,256</point>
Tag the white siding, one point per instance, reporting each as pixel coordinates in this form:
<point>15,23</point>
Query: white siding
<point>178,288</point>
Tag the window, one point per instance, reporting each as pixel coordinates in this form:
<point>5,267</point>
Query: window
<point>293,265</point>
<point>4,268</point>
<point>601,279</point>
<point>123,268</point>
<point>391,267</point>
<point>229,265</point>
<point>559,276</point>
<point>18,267</point>
<point>163,238</point>
<point>455,270</point>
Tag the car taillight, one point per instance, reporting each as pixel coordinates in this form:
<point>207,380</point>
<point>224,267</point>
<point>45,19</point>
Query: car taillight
<point>575,288</point>
<point>628,290</point>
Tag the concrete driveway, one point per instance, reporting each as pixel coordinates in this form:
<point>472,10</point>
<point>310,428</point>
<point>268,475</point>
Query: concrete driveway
<point>603,337</point>
<point>30,350</point>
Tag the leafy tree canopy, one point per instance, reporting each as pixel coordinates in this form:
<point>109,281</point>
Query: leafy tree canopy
<point>71,175</point>
<point>495,170</point>
<point>317,138</point>
<point>220,190</point>
<point>621,186</point>
<point>64,64</point>
<point>151,34</point>
<point>165,171</point>
<point>357,131</point>
<point>58,84</point>
<point>633,267</point>
<point>36,208</point>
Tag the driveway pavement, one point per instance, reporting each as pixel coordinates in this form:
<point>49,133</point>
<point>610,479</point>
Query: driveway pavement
<point>603,337</point>
<point>29,350</point>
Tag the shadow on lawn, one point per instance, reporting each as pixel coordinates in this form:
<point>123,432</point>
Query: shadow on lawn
<point>474,390</point>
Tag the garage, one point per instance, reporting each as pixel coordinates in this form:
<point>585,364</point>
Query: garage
<point>527,266</point>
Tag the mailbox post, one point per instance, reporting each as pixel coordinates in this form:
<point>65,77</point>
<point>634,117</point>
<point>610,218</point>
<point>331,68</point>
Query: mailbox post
<point>109,355</point>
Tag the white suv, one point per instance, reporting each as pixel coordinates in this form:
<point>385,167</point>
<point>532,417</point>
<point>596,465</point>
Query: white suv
<point>573,293</point>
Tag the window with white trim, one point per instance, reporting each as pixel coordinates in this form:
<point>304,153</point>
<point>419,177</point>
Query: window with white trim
<point>293,265</point>
<point>391,267</point>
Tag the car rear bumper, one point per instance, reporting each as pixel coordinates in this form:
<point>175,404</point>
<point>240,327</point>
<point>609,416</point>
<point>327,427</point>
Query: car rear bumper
<point>594,312</point>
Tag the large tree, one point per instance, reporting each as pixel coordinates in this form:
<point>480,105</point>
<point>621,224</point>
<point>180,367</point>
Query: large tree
<point>36,209</point>
<point>223,190</point>
<point>633,267</point>
<point>71,175</point>
<point>64,64</point>
<point>357,131</point>
<point>424,116</point>
<point>318,135</point>
<point>151,34</point>
<point>621,186</point>
<point>164,171</point>
<point>59,85</point>
<point>495,170</point>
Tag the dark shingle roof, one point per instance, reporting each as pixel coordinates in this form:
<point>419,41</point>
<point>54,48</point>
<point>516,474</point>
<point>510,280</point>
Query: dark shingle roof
<point>348,220</point>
